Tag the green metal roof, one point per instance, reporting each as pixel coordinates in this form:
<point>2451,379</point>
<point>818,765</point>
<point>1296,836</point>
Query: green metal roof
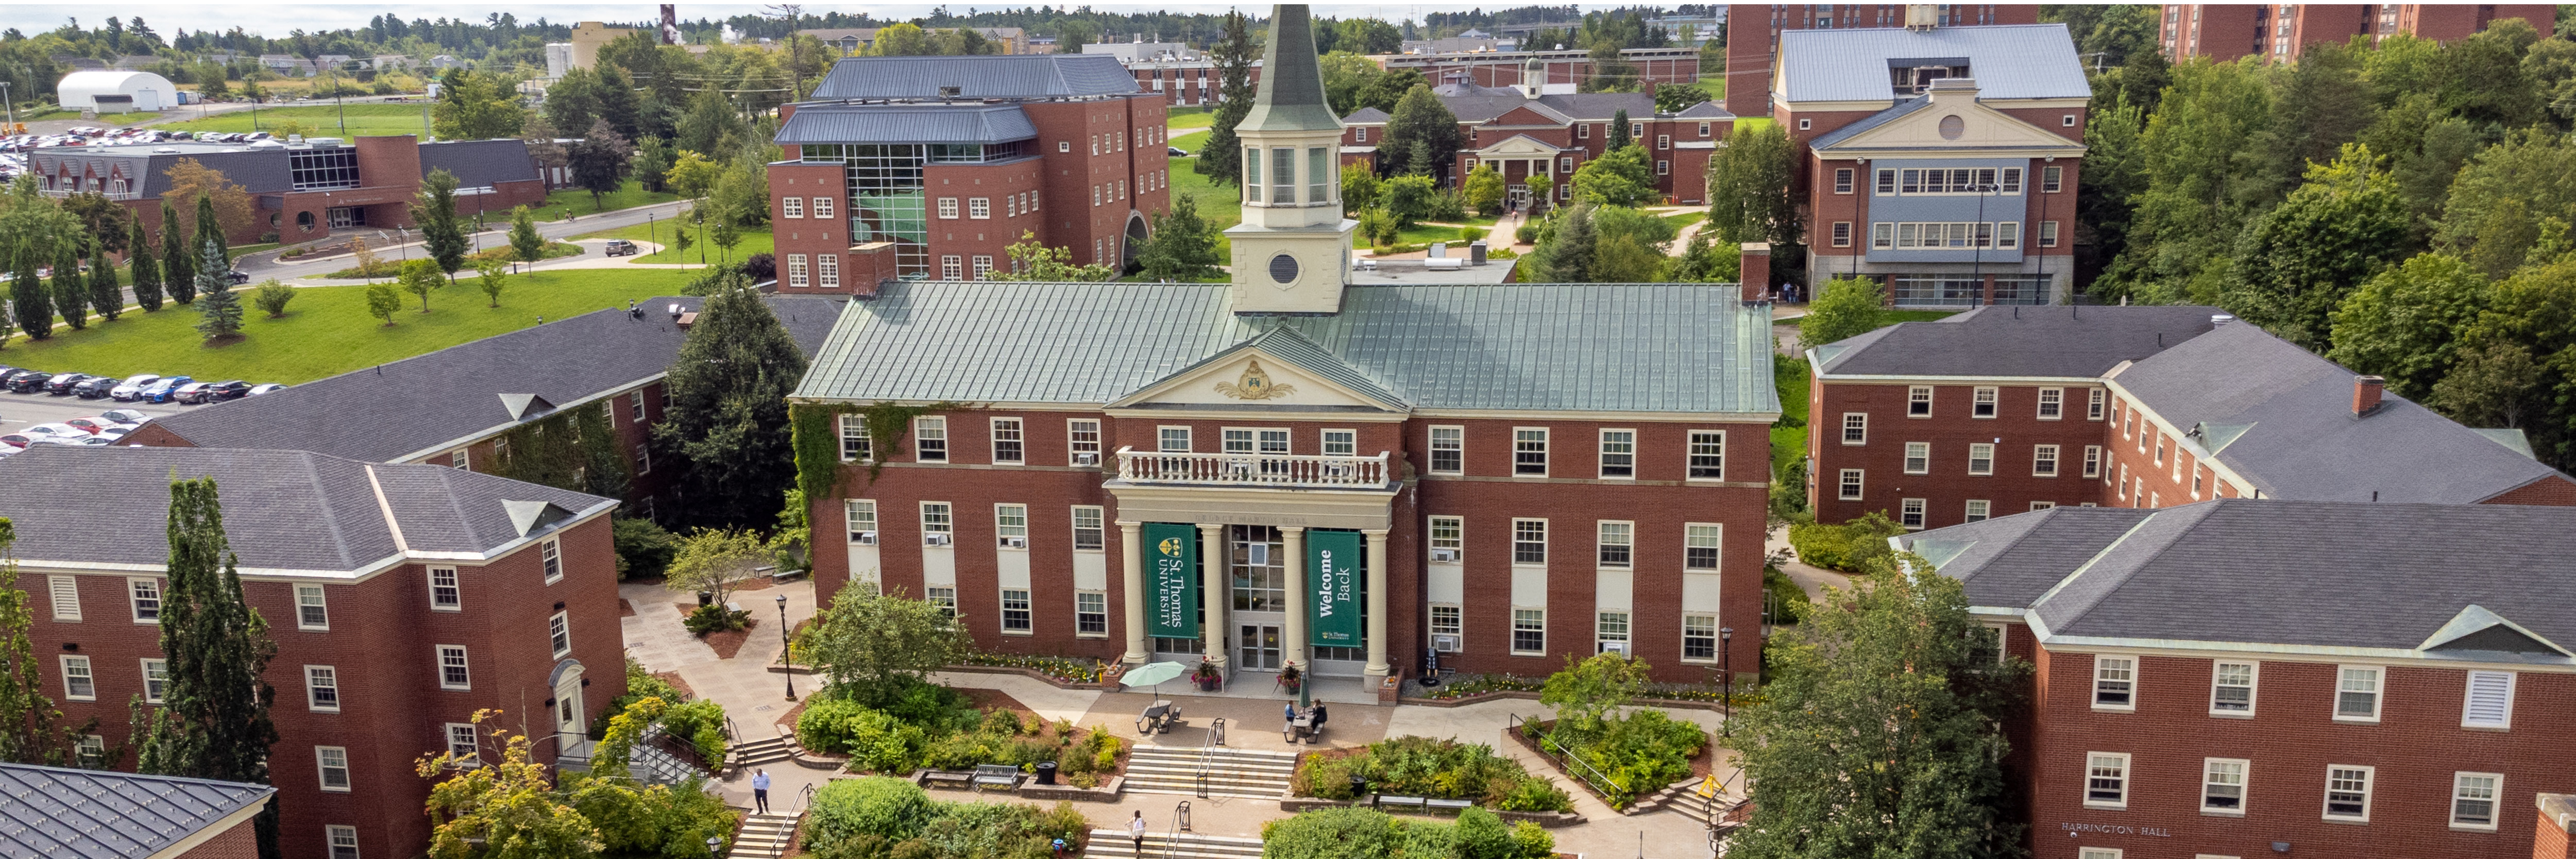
<point>1291,95</point>
<point>1643,347</point>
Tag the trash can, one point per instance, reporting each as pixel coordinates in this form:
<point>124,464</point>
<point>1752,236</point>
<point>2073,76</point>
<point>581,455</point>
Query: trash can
<point>706,598</point>
<point>1046,772</point>
<point>1359,786</point>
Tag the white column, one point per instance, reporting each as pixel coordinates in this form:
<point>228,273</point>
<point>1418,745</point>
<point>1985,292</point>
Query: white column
<point>1377,665</point>
<point>1132,553</point>
<point>1300,599</point>
<point>1212,564</point>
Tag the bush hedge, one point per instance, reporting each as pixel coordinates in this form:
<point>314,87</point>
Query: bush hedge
<point>1843,547</point>
<point>881,817</point>
<point>1639,754</point>
<point>1440,769</point>
<point>1336,833</point>
<point>886,741</point>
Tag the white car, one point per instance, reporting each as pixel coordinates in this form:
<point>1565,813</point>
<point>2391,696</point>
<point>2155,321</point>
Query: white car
<point>125,416</point>
<point>132,388</point>
<point>56,430</point>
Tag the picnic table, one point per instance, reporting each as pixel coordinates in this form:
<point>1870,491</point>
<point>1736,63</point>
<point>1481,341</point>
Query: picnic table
<point>1159,717</point>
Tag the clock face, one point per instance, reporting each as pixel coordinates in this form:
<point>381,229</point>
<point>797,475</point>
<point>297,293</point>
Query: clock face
<point>1283,268</point>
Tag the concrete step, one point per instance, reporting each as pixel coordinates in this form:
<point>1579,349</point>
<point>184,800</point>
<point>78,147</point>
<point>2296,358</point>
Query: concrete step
<point>1182,845</point>
<point>1246,773</point>
<point>763,836</point>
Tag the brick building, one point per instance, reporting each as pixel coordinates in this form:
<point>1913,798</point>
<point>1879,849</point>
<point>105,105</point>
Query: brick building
<point>88,814</point>
<point>2001,410</point>
<point>2240,678</point>
<point>1290,469</point>
<point>916,168</point>
<point>1941,161</point>
<point>1526,130</point>
<point>1753,36</point>
<point>2280,32</point>
<point>305,188</point>
<point>459,406</point>
<point>1569,69</point>
<point>402,598</point>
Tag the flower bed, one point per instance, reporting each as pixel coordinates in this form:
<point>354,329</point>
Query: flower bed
<point>1465,685</point>
<point>877,816</point>
<point>1067,669</point>
<point>934,728</point>
<point>1437,769</point>
<point>1637,754</point>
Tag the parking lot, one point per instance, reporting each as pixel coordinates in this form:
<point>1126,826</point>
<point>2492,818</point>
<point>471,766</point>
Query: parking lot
<point>20,411</point>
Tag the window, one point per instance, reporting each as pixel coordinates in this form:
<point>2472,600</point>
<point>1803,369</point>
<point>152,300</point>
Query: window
<point>930,439</point>
<point>2092,460</point>
<point>2043,505</point>
<point>936,526</point>
<point>1316,174</point>
<point>2222,786</point>
<point>1008,449</point>
<point>443,592</point>
<point>78,683</point>
<point>982,266</point>
<point>2048,234</point>
<point>979,207</point>
<point>344,840</point>
<point>1851,484</point>
<point>2489,702</point>
<point>1610,627</point>
<point>1886,182</point>
<point>1174,440</point>
<point>948,207</point>
<point>2012,180</point>
<point>147,599</point>
<point>92,750</point>
<point>559,633</point>
<point>1616,549</point>
<point>1618,453</point>
<point>1983,405</point>
<point>1980,510</point>
<point>2357,694</point>
<point>1251,176</point>
<point>1091,613</point>
<point>1083,439</point>
<point>636,398</point>
<point>1843,180</point>
<point>2348,793</point>
<point>944,598</point>
<point>2051,178</point>
<point>792,207</point>
<point>2093,408</point>
<point>1981,459</point>
<point>310,611</point>
<point>2473,800</point>
<point>334,761</point>
<point>1699,637</point>
<point>1909,513</point>
<point>1529,631</point>
<point>1529,541</point>
<point>2043,460</point>
<point>1015,611</point>
<point>1529,451</point>
<point>1582,131</point>
<point>2197,476</point>
<point>322,688</point>
<point>953,267</point>
<point>1707,455</point>
<point>550,553</point>
<point>1448,450</point>
<point>1283,175</point>
<point>1842,234</point>
<point>2115,682</point>
<point>822,207</point>
<point>462,742</point>
<point>2231,688</point>
<point>1855,427</point>
<point>1918,401</point>
<point>2052,403</point>
<point>65,591</point>
<point>1700,546</point>
<point>1805,124</point>
<point>2160,449</point>
<point>1565,165</point>
<point>1011,525</point>
<point>452,673</point>
<point>1089,534</point>
<point>1703,129</point>
<point>2106,780</point>
<point>1665,141</point>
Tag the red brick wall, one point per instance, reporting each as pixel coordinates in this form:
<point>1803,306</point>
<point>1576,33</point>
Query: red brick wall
<point>2552,840</point>
<point>966,237</point>
<point>1950,430</point>
<point>2552,491</point>
<point>808,235</point>
<point>239,842</point>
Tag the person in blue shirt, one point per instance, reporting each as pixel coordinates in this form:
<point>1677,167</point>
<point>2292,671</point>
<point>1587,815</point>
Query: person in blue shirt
<point>760,790</point>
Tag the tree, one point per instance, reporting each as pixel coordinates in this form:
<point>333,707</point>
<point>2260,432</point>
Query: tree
<point>30,297</point>
<point>1610,70</point>
<point>419,277</point>
<point>213,722</point>
<point>741,193</point>
<point>504,809</point>
<point>1034,260</point>
<point>1624,176</point>
<point>1677,97</point>
<point>693,176</point>
<point>728,392</point>
<point>1880,733</point>
<point>382,301</point>
<point>1843,309</point>
<point>1584,692</point>
<point>1221,159</point>
<point>1705,261</point>
<point>725,235</point>
<point>1072,35</point>
<point>1568,253</point>
<point>1619,136</point>
<point>600,162</point>
<point>1362,190</point>
<point>1484,188</point>
<point>476,106</point>
<point>71,289</point>
<point>191,179</point>
<point>178,263</point>
<point>101,218</point>
<point>442,234</point>
<point>2492,385</point>
<point>525,243</point>
<point>653,160</point>
<point>494,274</point>
<point>1749,181</point>
<point>28,733</point>
<point>2198,194</point>
<point>648,819</point>
<point>711,124</point>
<point>2404,323</point>
<point>272,298</point>
<point>1367,36</point>
<point>873,643</point>
<point>573,101</point>
<point>147,273</point>
<point>210,234</point>
<point>105,294</point>
<point>1419,119</point>
<point>718,560</point>
<point>2533,170</point>
<point>1182,245</point>
<point>2111,178</point>
<point>219,311</point>
<point>2295,263</point>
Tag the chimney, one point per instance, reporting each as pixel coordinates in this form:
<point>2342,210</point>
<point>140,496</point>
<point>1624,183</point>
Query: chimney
<point>1650,90</point>
<point>1922,16</point>
<point>1754,275</point>
<point>1953,91</point>
<point>2365,394</point>
<point>2557,837</point>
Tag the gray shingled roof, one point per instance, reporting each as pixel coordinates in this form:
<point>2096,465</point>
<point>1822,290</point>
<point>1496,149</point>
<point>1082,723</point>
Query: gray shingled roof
<point>2282,418</point>
<point>2009,62</point>
<point>1602,105</point>
<point>907,123</point>
<point>256,170</point>
<point>284,510</point>
<point>1705,110</point>
<point>56,813</point>
<point>416,404</point>
<point>2008,563</point>
<point>1990,342</point>
<point>1663,347</point>
<point>480,163</point>
<point>1366,116</point>
<point>977,77</point>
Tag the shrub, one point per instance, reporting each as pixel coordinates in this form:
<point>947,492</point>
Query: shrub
<point>643,548</point>
<point>272,298</point>
<point>760,267</point>
<point>1843,547</point>
<point>1446,206</point>
<point>1481,835</point>
<point>1440,769</point>
<point>1533,841</point>
<point>1469,234</point>
<point>1526,234</point>
<point>1332,833</point>
<point>883,806</point>
<point>1639,754</point>
<point>699,722</point>
<point>713,618</point>
<point>640,684</point>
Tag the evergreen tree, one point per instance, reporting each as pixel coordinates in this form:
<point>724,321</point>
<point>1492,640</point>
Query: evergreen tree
<point>147,271</point>
<point>729,392</point>
<point>524,240</point>
<point>71,288</point>
<point>214,721</point>
<point>178,264</point>
<point>442,234</point>
<point>1619,136</point>
<point>30,297</point>
<point>105,295</point>
<point>1221,160</point>
<point>218,309</point>
<point>28,734</point>
<point>210,231</point>
<point>1569,251</point>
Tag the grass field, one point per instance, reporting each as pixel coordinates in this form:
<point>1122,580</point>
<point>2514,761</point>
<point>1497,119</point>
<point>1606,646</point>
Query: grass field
<point>753,242</point>
<point>327,331</point>
<point>627,196</point>
<point>1686,219</point>
<point>1788,443</point>
<point>106,119</point>
<point>1189,142</point>
<point>1188,117</point>
<point>1219,205</point>
<point>364,120</point>
<point>1425,234</point>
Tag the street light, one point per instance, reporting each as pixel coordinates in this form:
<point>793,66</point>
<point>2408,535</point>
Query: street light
<point>1977,239</point>
<point>1726,670</point>
<point>715,845</point>
<point>786,648</point>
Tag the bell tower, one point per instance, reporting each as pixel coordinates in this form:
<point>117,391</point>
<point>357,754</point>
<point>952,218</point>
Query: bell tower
<point>1293,248</point>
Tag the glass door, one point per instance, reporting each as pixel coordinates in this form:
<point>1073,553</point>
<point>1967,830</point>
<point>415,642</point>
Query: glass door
<point>1260,648</point>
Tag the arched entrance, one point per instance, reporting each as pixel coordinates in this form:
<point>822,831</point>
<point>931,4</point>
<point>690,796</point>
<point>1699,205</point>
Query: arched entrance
<point>570,716</point>
<point>1133,244</point>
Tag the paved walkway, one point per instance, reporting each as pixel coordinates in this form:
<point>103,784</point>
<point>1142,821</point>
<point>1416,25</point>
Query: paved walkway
<point>753,696</point>
<point>1814,579</point>
<point>265,264</point>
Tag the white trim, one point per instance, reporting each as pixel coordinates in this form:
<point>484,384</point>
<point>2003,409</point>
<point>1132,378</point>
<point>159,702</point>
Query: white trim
<point>2378,693</point>
<point>2094,690</point>
<point>2127,773</point>
<point>2253,688</point>
<point>2244,781</point>
<point>2494,800</point>
<point>2369,786</point>
<point>322,769</point>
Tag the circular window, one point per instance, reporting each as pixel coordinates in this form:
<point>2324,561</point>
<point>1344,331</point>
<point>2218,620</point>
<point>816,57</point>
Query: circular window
<point>304,220</point>
<point>1952,126</point>
<point>1283,268</point>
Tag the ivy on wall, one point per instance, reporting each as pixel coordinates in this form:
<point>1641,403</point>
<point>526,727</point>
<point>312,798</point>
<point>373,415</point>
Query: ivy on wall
<point>817,436</point>
<point>574,449</point>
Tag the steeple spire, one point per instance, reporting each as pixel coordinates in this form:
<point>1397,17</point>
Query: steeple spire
<point>1292,80</point>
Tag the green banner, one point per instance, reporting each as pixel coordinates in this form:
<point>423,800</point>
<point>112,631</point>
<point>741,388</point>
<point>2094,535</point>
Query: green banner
<point>1333,600</point>
<point>1172,578</point>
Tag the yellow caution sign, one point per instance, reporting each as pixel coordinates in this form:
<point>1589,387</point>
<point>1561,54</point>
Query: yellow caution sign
<point>1708,786</point>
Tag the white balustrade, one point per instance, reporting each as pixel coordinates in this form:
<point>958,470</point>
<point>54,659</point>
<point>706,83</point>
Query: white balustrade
<point>1283,471</point>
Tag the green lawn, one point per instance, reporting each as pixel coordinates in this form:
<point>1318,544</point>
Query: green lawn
<point>1788,443</point>
<point>103,119</point>
<point>1686,219</point>
<point>627,196</point>
<point>1219,205</point>
<point>1425,234</point>
<point>753,242</point>
<point>1189,142</point>
<point>1188,117</point>
<point>1749,123</point>
<point>364,119</point>
<point>327,330</point>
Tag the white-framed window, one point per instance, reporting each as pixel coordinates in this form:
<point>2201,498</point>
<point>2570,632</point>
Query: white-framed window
<point>92,750</point>
<point>1842,234</point>
<point>1447,619</point>
<point>78,683</point>
<point>1918,401</point>
<point>827,270</point>
<point>2231,687</point>
<point>948,207</point>
<point>644,459</point>
<point>796,273</point>
<point>2489,700</point>
<point>1842,180</point>
<point>1855,428</point>
<point>2115,682</point>
<point>1618,454</point>
<point>930,439</point>
<point>1172,439</point>
<point>1011,526</point>
<point>2106,780</point>
<point>2052,403</point>
<point>453,672</point>
<point>981,265</point>
<point>559,633</point>
<point>2348,792</point>
<point>1850,485</point>
<point>1909,513</point>
<point>1090,614</point>
<point>311,611</point>
<point>145,596</point>
<point>1448,539</point>
<point>1918,457</point>
<point>1529,632</point>
<point>2048,234</point>
<point>2473,800</point>
<point>1665,141</point>
<point>2222,785</point>
<point>944,598</point>
<point>2092,460</point>
<point>1982,403</point>
<point>1609,628</point>
<point>1529,541</point>
<point>1341,442</point>
<point>1009,448</point>
<point>65,594</point>
<point>1703,545</point>
<point>2043,505</point>
<point>1090,531</point>
<point>979,207</point>
<point>444,594</point>
<point>1699,638</point>
<point>334,764</point>
<point>1015,612</point>
<point>2043,460</point>
<point>953,267</point>
<point>1448,450</point>
<point>1082,440</point>
<point>1707,455</point>
<point>635,403</point>
<point>1617,544</point>
<point>2357,693</point>
<point>464,742</point>
<point>1981,459</point>
<point>1529,451</point>
<point>2199,479</point>
<point>2051,178</point>
<point>1980,509</point>
<point>937,526</point>
<point>791,207</point>
<point>344,841</point>
<point>156,680</point>
<point>2093,404</point>
<point>322,688</point>
<point>1582,131</point>
<point>822,207</point>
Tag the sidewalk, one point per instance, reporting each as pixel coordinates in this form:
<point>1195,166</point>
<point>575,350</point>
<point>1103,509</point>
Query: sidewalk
<point>753,696</point>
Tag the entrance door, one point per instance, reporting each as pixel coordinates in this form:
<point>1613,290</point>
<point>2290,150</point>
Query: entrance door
<point>568,708</point>
<point>1260,648</point>
<point>1519,195</point>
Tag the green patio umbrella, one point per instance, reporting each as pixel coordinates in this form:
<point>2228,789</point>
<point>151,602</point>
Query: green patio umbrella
<point>1152,674</point>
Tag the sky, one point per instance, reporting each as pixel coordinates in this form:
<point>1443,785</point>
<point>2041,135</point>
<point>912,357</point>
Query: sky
<point>275,20</point>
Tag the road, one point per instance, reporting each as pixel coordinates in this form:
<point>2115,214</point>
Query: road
<point>264,265</point>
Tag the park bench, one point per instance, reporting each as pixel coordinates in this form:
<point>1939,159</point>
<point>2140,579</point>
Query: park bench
<point>1453,806</point>
<point>1412,802</point>
<point>1003,776</point>
<point>937,778</point>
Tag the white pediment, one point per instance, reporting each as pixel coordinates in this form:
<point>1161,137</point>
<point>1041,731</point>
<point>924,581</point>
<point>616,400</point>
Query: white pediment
<point>1252,378</point>
<point>1976,126</point>
<point>1519,146</point>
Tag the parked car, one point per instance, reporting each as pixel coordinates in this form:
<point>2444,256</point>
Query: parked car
<point>237,276</point>
<point>160,391</point>
<point>184,393</point>
<point>94,387</point>
<point>17,440</point>
<point>132,388</point>
<point>115,433</point>
<point>216,392</point>
<point>621,248</point>
<point>1177,152</point>
<point>92,425</point>
<point>81,441</point>
<point>128,417</point>
<point>27,381</point>
<point>55,430</point>
<point>269,388</point>
<point>62,383</point>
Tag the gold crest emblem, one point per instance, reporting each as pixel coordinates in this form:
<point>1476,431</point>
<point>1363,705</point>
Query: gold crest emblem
<point>1170,547</point>
<point>1254,384</point>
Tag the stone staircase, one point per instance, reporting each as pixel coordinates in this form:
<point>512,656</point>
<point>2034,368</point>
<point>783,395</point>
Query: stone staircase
<point>1108,843</point>
<point>651,765</point>
<point>763,836</point>
<point>1244,773</point>
<point>762,753</point>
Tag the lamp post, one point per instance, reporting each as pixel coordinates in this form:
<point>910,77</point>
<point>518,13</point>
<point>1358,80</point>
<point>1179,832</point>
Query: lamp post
<point>1726,670</point>
<point>786,647</point>
<point>715,845</point>
<point>1977,239</point>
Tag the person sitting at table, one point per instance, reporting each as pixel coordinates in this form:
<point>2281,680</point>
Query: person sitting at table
<point>1318,727</point>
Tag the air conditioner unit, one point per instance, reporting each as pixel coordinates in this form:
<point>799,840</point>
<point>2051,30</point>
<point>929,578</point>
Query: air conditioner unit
<point>1087,458</point>
<point>1445,643</point>
<point>934,539</point>
<point>864,538</point>
<point>1618,647</point>
<point>1015,542</point>
<point>1445,555</point>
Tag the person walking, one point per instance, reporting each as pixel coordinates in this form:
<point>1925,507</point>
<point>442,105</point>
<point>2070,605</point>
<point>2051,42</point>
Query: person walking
<point>1136,828</point>
<point>760,790</point>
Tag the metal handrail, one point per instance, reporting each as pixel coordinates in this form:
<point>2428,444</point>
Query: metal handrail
<point>1207,744</point>
<point>1172,839</point>
<point>1564,755</point>
<point>796,819</point>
